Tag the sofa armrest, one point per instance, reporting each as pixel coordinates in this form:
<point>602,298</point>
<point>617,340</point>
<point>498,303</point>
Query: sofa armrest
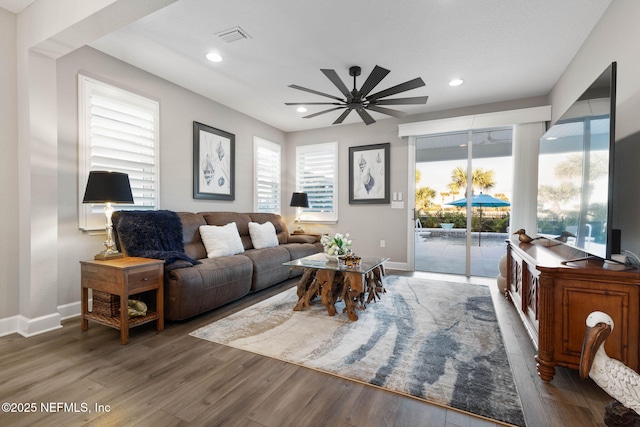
<point>178,264</point>
<point>303,238</point>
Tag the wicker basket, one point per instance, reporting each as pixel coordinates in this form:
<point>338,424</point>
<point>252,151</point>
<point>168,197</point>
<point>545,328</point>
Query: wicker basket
<point>106,304</point>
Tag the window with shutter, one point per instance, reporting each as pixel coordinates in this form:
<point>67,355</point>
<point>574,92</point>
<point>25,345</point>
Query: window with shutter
<point>118,131</point>
<point>267,179</point>
<point>317,175</point>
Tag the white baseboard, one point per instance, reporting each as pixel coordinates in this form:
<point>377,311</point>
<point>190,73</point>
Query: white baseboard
<point>8,325</point>
<point>30,327</point>
<point>396,266</point>
<point>39,325</point>
<point>71,310</point>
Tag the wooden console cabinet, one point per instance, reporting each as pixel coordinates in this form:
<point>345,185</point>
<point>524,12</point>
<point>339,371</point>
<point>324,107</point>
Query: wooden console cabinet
<point>554,300</point>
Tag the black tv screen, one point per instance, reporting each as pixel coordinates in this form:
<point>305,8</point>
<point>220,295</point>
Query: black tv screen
<point>575,171</point>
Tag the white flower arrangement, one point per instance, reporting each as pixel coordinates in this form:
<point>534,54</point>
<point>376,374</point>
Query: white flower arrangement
<point>337,245</point>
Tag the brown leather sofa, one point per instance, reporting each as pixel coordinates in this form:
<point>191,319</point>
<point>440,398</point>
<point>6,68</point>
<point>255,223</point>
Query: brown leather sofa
<point>213,282</point>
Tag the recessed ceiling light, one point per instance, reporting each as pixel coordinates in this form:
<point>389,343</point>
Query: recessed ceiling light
<point>456,82</point>
<point>301,110</point>
<point>214,57</point>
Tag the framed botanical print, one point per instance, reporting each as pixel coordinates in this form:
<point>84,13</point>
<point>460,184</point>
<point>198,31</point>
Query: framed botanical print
<point>213,163</point>
<point>369,179</point>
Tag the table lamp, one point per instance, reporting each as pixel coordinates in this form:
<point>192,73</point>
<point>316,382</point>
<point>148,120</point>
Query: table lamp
<point>299,200</point>
<point>108,187</point>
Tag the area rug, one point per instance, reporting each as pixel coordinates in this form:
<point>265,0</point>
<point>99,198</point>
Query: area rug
<point>432,340</point>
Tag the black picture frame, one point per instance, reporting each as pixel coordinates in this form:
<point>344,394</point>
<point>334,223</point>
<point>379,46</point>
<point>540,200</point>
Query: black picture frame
<point>369,174</point>
<point>214,153</point>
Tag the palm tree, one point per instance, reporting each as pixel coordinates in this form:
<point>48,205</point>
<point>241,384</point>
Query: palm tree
<point>558,195</point>
<point>458,179</point>
<point>484,179</point>
<point>454,190</point>
<point>423,198</point>
<point>480,178</point>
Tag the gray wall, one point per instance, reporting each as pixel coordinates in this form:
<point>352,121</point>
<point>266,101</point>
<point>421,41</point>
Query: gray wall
<point>9,291</point>
<point>178,109</point>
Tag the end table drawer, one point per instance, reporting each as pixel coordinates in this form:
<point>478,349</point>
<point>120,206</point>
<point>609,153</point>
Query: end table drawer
<point>142,278</point>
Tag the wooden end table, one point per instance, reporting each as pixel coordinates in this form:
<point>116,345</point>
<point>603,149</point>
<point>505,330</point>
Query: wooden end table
<point>123,277</point>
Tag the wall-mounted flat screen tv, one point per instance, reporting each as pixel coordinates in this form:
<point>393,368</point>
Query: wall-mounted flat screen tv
<point>575,171</point>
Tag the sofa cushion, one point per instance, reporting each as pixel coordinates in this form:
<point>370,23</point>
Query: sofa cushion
<point>263,235</point>
<point>277,221</point>
<point>241,220</point>
<point>267,266</point>
<point>301,250</point>
<point>303,238</point>
<point>221,240</point>
<point>191,223</point>
<point>214,282</point>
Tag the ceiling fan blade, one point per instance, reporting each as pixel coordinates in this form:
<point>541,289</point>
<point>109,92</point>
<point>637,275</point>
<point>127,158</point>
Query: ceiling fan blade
<point>315,92</point>
<point>337,81</point>
<point>403,101</point>
<point>312,103</point>
<point>342,117</point>
<point>402,87</point>
<point>322,112</point>
<point>372,81</point>
<point>387,111</point>
<point>366,117</point>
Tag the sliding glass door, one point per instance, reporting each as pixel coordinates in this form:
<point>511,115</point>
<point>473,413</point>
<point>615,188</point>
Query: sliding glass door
<point>463,189</point>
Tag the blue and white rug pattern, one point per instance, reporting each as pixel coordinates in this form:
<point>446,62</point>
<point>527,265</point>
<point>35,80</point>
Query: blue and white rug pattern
<point>433,340</point>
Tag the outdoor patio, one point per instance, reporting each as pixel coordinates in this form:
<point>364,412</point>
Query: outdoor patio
<point>443,251</point>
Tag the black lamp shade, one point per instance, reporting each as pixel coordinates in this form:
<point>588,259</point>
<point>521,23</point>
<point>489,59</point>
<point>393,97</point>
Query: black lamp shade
<point>299,200</point>
<point>103,187</point>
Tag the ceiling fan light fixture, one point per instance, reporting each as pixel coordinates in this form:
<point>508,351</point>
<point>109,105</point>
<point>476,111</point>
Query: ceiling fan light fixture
<point>456,82</point>
<point>214,57</point>
<point>301,110</point>
<point>361,100</point>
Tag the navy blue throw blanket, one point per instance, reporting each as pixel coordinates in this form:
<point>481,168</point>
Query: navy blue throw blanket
<point>151,234</point>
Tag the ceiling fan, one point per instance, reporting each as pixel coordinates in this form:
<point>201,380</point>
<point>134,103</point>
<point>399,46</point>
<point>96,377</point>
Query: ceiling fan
<point>360,100</point>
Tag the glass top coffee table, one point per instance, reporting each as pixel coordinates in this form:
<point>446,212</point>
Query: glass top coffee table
<point>356,286</point>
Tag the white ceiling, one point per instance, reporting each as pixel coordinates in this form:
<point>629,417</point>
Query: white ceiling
<point>15,6</point>
<point>503,49</point>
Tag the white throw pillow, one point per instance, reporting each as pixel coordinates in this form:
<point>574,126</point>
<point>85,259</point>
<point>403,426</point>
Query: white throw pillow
<point>263,235</point>
<point>221,240</point>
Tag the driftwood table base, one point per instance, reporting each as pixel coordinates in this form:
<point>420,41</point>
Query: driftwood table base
<point>355,289</point>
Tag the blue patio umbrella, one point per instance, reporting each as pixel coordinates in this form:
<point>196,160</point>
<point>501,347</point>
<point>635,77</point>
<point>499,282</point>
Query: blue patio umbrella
<point>481,200</point>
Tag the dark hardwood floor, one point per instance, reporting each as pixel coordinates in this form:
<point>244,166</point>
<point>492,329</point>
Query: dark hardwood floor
<point>172,379</point>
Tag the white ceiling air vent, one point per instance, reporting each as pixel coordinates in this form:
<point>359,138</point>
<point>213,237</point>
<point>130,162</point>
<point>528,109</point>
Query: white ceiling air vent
<point>233,34</point>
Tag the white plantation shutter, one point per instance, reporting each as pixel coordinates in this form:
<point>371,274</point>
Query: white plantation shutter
<point>267,179</point>
<point>119,132</point>
<point>317,175</point>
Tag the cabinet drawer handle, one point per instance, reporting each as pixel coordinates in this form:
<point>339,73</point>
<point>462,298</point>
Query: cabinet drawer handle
<point>145,279</point>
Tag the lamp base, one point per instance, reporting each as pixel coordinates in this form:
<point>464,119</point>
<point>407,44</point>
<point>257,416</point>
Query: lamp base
<point>298,231</point>
<point>103,256</point>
